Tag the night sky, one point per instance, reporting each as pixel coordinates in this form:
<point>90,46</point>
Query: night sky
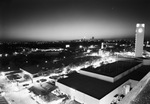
<point>73,19</point>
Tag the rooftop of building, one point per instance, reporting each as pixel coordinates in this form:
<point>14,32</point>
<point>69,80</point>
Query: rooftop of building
<point>32,69</point>
<point>99,88</point>
<point>139,73</point>
<point>112,69</point>
<point>14,72</point>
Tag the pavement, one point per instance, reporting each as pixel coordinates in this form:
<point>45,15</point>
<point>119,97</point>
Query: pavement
<point>20,97</point>
<point>14,94</point>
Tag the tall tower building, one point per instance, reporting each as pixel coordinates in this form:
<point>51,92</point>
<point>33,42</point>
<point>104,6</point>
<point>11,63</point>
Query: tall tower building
<point>102,45</point>
<point>139,39</point>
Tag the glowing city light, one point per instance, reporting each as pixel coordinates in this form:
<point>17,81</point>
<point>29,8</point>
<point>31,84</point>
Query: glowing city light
<point>3,74</point>
<point>91,46</point>
<point>80,46</point>
<point>46,61</point>
<point>67,46</point>
<point>143,25</point>
<point>15,53</point>
<point>88,51</point>
<point>6,55</point>
<point>137,25</point>
<point>8,67</point>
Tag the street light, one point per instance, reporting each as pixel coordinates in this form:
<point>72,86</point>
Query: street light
<point>3,74</point>
<point>6,55</point>
<point>45,61</point>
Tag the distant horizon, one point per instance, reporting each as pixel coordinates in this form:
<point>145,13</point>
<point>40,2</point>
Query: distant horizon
<point>27,40</point>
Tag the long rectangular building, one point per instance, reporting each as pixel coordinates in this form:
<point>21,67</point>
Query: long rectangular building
<point>88,90</point>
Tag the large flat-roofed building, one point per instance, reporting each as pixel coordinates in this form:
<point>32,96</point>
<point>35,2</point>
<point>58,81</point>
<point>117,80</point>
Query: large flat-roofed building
<point>88,90</point>
<point>139,39</point>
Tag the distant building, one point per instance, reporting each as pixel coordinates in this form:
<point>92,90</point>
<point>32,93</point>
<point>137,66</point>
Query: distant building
<point>139,39</point>
<point>108,45</point>
<point>102,45</point>
<point>93,38</point>
<point>52,53</point>
<point>67,46</point>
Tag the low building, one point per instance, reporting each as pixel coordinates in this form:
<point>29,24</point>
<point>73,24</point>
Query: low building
<point>41,89</point>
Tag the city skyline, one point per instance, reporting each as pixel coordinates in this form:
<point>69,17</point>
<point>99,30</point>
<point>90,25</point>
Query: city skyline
<point>68,19</point>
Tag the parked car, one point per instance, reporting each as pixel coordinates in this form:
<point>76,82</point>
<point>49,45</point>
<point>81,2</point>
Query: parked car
<point>26,85</point>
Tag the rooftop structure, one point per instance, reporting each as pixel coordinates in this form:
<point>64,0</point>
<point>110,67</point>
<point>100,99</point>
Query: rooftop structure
<point>14,72</point>
<point>32,69</point>
<point>112,69</point>
<point>111,72</point>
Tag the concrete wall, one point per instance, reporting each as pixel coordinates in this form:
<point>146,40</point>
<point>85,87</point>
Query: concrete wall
<point>120,90</point>
<point>131,96</point>
<point>77,95</point>
<point>98,76</point>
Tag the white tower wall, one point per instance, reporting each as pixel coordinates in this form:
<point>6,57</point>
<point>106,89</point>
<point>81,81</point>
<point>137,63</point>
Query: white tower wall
<point>139,39</point>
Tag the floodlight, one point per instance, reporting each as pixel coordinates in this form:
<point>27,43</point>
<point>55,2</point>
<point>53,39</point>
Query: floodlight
<point>143,25</point>
<point>2,73</point>
<point>137,25</point>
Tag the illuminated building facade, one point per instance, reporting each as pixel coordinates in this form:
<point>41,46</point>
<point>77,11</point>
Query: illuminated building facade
<point>139,39</point>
